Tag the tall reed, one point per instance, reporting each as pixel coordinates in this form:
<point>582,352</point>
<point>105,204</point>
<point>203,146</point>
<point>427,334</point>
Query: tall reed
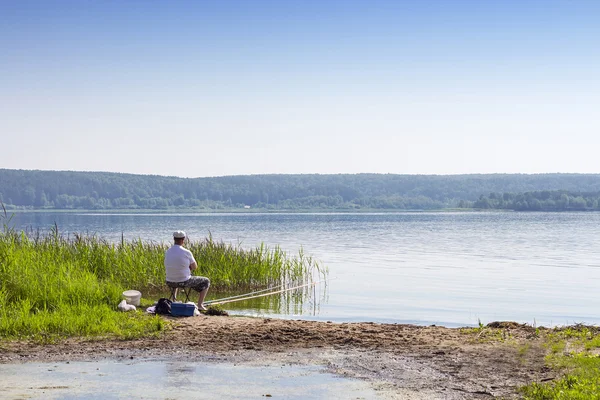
<point>232,267</point>
<point>51,285</point>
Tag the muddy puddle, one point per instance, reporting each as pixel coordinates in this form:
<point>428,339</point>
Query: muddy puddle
<point>153,379</point>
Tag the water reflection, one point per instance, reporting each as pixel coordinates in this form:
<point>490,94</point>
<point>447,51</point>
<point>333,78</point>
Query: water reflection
<point>149,379</point>
<point>304,301</point>
<point>179,374</point>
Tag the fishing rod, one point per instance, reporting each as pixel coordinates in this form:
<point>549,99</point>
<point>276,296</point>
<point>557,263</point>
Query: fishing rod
<point>241,295</point>
<point>265,294</point>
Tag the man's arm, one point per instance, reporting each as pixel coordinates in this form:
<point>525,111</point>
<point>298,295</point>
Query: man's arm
<point>193,265</point>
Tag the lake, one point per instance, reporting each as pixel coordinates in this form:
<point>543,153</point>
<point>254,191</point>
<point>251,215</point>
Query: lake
<point>443,268</point>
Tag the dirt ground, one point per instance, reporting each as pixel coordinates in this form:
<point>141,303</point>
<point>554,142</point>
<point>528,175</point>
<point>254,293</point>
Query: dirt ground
<point>400,361</point>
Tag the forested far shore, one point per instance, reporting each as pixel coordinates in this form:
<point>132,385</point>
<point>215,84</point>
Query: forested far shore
<point>65,190</point>
<point>559,200</point>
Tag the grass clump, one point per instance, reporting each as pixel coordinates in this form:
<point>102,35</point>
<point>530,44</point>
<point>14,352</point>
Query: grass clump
<point>574,350</point>
<point>47,293</point>
<point>582,382</point>
<point>492,332</point>
<point>232,267</point>
<point>52,286</point>
<point>215,309</point>
<point>21,322</point>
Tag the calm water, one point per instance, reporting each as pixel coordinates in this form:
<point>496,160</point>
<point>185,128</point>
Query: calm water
<point>427,268</point>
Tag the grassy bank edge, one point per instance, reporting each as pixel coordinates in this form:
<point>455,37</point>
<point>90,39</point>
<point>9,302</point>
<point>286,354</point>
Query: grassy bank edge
<point>574,351</point>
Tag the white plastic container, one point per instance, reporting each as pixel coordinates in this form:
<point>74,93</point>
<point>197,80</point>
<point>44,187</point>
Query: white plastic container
<point>132,297</point>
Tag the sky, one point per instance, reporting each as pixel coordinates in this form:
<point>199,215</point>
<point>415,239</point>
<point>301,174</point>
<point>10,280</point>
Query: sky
<point>237,87</point>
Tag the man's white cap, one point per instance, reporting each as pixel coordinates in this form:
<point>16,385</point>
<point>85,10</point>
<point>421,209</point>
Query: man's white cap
<point>179,234</point>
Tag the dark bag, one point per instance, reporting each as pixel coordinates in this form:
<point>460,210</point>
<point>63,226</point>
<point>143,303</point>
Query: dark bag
<point>163,306</point>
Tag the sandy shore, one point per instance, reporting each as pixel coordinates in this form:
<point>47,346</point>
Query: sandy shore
<point>400,361</point>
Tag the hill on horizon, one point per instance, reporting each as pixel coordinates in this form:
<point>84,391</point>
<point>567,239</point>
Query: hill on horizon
<point>111,190</point>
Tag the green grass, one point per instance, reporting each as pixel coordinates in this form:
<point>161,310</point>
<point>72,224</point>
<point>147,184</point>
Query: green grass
<point>232,267</point>
<point>573,350</point>
<point>53,287</point>
<point>485,334</point>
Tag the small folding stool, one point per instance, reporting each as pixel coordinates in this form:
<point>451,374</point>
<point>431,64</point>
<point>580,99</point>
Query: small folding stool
<point>173,286</point>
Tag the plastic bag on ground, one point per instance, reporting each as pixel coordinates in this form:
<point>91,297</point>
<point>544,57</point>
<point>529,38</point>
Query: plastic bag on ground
<point>123,306</point>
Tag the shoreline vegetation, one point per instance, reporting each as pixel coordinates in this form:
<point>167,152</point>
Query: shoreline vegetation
<point>52,287</point>
<point>184,210</point>
<point>574,351</point>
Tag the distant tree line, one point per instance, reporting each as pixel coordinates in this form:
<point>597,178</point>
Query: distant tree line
<point>102,190</point>
<point>558,200</point>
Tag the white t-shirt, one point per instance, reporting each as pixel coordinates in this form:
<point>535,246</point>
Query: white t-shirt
<point>177,263</point>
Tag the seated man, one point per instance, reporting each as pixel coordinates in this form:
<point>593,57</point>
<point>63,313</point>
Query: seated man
<point>179,262</point>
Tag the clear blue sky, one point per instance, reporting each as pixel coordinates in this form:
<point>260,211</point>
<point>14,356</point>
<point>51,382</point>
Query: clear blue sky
<point>211,88</point>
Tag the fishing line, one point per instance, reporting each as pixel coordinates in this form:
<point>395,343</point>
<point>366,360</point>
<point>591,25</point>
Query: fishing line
<point>242,295</point>
<point>264,294</point>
